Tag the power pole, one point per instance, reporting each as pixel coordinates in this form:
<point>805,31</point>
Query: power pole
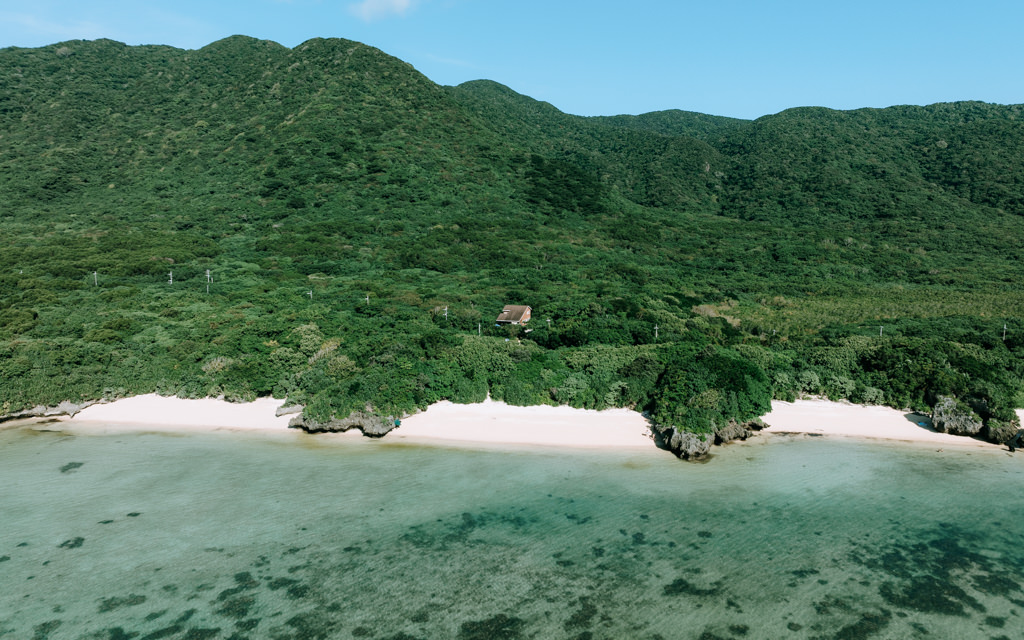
<point>208,281</point>
<point>655,332</point>
<point>170,276</point>
<point>310,294</point>
<point>1004,332</point>
<point>95,279</point>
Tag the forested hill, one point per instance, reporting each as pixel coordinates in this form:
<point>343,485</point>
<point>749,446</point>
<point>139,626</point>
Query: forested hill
<point>362,227</point>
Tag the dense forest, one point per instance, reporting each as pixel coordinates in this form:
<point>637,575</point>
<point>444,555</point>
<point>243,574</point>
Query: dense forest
<point>325,224</point>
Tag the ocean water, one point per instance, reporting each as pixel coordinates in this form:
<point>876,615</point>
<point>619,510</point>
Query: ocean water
<point>291,537</point>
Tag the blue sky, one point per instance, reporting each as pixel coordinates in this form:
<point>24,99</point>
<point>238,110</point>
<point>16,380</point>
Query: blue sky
<point>740,58</point>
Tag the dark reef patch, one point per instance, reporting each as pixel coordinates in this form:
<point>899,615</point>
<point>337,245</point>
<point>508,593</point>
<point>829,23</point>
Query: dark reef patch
<point>237,608</point>
<point>682,586</point>
<point>583,617</point>
<point>165,632</point>
<point>114,603</point>
<point>933,571</point>
<point>43,631</point>
<point>71,466</point>
<point>73,543</point>
<point>312,625</point>
<point>870,624</point>
<point>929,594</point>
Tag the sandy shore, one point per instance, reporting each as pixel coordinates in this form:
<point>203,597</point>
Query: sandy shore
<point>163,413</point>
<point>496,423</point>
<point>493,422</point>
<point>825,417</point>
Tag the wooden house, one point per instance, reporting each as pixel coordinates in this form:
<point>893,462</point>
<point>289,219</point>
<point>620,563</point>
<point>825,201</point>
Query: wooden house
<point>514,314</point>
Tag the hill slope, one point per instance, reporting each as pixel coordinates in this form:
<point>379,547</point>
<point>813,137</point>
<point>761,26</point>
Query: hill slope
<point>362,227</point>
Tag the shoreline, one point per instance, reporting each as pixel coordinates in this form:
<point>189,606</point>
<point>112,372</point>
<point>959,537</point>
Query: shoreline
<point>494,423</point>
<point>820,417</point>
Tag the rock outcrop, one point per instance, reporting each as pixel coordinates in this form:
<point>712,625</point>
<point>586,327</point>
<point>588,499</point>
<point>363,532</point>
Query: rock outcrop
<point>952,416</point>
<point>370,424</point>
<point>738,430</point>
<point>288,409</point>
<point>693,446</point>
<point>65,408</point>
<point>1000,432</point>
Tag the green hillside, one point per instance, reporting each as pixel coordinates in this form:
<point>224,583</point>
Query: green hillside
<point>363,227</point>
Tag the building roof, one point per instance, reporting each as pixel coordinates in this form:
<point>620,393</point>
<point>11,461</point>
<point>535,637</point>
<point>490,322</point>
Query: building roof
<point>513,313</point>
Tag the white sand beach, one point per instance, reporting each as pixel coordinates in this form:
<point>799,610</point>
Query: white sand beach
<point>497,423</point>
<point>494,422</point>
<point>168,413</point>
<point>825,417</point>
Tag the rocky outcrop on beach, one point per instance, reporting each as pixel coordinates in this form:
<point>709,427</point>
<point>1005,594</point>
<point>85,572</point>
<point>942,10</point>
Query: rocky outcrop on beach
<point>372,425</point>
<point>64,408</point>
<point>954,417</point>
<point>288,409</point>
<point>693,446</point>
<point>738,430</point>
<point>1000,431</point>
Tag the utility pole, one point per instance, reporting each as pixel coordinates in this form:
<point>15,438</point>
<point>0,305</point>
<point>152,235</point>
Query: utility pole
<point>95,279</point>
<point>446,312</point>
<point>879,331</point>
<point>1004,332</point>
<point>310,294</point>
<point>478,325</point>
<point>655,332</point>
<point>170,276</point>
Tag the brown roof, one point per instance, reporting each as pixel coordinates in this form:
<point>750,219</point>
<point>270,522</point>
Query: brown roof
<point>513,313</point>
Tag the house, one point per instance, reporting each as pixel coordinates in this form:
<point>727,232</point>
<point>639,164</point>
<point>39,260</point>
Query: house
<point>514,314</point>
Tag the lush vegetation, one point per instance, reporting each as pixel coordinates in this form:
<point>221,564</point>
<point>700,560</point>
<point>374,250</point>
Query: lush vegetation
<point>362,227</point>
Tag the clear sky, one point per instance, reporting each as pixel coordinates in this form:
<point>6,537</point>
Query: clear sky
<point>740,58</point>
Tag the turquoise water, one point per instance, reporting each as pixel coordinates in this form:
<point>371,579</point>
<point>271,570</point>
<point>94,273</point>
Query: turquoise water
<point>287,537</point>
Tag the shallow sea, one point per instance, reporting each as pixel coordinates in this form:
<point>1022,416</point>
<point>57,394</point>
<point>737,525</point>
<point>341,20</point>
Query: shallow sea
<point>230,535</point>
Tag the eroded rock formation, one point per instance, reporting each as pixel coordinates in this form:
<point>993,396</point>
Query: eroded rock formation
<point>370,424</point>
<point>954,417</point>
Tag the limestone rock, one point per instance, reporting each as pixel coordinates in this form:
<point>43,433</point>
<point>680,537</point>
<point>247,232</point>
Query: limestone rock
<point>999,432</point>
<point>65,408</point>
<point>288,409</point>
<point>686,445</point>
<point>370,424</point>
<point>732,431</point>
<point>689,446</point>
<point>951,416</point>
